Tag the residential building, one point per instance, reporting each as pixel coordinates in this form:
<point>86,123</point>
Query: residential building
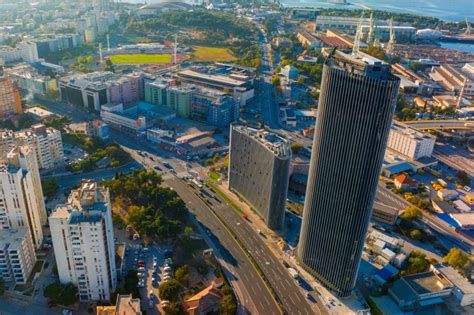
<point>259,166</point>
<point>28,79</point>
<point>17,255</point>
<point>46,142</point>
<point>28,51</point>
<point>418,290</point>
<point>40,114</point>
<point>83,241</point>
<point>356,104</point>
<point>21,195</point>
<point>410,142</point>
<point>126,89</point>
<point>10,100</point>
<point>405,182</point>
<point>166,92</point>
<point>125,305</point>
<point>204,302</point>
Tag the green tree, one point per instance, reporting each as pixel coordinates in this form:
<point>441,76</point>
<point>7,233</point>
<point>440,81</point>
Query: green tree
<point>457,259</point>
<point>296,148</point>
<point>64,294</point>
<point>182,275</point>
<point>169,290</point>
<point>174,308</point>
<point>411,213</point>
<point>50,187</point>
<point>417,262</point>
<point>416,234</point>
<point>228,305</point>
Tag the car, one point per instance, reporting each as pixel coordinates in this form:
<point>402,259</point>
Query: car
<point>245,217</point>
<point>166,278</point>
<point>151,304</point>
<point>46,265</point>
<point>152,295</point>
<point>168,254</point>
<point>52,303</point>
<point>165,303</point>
<point>167,269</point>
<point>155,258</point>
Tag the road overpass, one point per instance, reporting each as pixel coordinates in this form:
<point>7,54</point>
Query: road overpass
<point>441,124</point>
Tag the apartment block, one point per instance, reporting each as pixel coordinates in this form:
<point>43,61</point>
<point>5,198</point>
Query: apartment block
<point>45,141</point>
<point>410,142</point>
<point>17,255</point>
<point>259,167</point>
<point>10,100</point>
<point>83,241</point>
<point>21,195</point>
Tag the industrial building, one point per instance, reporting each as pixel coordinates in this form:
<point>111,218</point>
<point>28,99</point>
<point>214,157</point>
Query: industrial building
<point>259,166</point>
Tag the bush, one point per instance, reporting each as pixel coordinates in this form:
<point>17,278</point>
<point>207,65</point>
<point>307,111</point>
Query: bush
<point>50,187</point>
<point>457,259</point>
<point>417,262</point>
<point>411,213</point>
<point>228,305</point>
<point>182,275</point>
<point>416,234</point>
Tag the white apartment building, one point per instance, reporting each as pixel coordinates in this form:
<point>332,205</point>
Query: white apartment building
<point>28,51</point>
<point>21,195</point>
<point>17,255</point>
<point>83,241</point>
<point>45,141</point>
<point>410,142</point>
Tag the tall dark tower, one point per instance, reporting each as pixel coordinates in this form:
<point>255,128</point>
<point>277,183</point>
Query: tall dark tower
<point>356,104</point>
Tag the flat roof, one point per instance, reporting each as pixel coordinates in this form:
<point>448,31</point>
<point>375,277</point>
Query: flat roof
<point>216,78</point>
<point>456,278</point>
<point>13,237</point>
<point>427,282</point>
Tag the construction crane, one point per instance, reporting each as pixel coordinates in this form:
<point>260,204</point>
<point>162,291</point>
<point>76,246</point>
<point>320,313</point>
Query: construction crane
<point>391,42</point>
<point>468,28</point>
<point>358,36</point>
<point>370,34</point>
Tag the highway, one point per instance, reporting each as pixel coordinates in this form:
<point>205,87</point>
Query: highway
<point>441,124</point>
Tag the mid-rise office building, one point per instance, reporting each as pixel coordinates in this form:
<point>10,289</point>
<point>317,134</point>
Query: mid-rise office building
<point>21,195</point>
<point>83,241</point>
<point>10,100</point>
<point>259,167</point>
<point>89,91</point>
<point>17,255</point>
<point>356,105</point>
<point>46,142</point>
<point>410,142</point>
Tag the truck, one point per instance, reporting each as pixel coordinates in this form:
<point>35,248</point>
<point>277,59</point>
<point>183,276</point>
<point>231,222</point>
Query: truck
<point>442,183</point>
<point>197,183</point>
<point>293,272</point>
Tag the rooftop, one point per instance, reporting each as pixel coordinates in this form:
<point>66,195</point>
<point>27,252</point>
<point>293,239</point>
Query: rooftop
<point>275,143</point>
<point>426,282</point>
<point>12,238</point>
<point>409,131</point>
<point>211,77</point>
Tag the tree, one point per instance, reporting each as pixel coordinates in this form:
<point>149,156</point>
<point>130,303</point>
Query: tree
<point>276,80</point>
<point>463,178</point>
<point>64,294</point>
<point>2,286</point>
<point>169,290</point>
<point>417,262</point>
<point>416,234</point>
<point>227,306</point>
<point>296,148</point>
<point>174,308</point>
<point>411,213</point>
<point>457,259</point>
<point>182,275</point>
<point>50,187</point>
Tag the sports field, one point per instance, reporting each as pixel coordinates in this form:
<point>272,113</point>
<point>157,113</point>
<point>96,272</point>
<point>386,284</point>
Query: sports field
<point>136,59</point>
<point>203,53</point>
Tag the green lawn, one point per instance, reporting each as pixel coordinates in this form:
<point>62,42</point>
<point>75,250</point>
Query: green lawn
<point>214,176</point>
<point>140,58</point>
<point>203,53</point>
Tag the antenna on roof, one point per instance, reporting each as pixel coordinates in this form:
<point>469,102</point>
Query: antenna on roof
<point>175,48</point>
<point>391,41</point>
<point>370,35</point>
<point>468,28</point>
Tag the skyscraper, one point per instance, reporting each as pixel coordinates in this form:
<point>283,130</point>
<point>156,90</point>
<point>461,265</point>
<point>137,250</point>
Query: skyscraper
<point>83,241</point>
<point>356,105</point>
<point>259,167</point>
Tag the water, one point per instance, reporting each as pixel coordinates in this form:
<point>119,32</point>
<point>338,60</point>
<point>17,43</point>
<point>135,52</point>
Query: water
<point>469,48</point>
<point>449,10</point>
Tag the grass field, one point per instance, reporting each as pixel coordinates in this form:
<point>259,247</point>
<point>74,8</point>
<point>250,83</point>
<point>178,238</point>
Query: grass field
<point>202,53</point>
<point>140,58</point>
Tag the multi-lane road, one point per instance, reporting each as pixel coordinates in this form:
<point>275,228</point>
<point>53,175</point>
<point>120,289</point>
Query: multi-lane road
<point>252,293</point>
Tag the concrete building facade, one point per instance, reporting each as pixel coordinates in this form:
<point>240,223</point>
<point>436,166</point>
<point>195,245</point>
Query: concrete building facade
<point>410,142</point>
<point>10,100</point>
<point>356,106</point>
<point>83,241</point>
<point>17,255</point>
<point>259,167</point>
<point>21,195</point>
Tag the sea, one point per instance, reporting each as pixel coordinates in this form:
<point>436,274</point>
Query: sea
<point>448,10</point>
